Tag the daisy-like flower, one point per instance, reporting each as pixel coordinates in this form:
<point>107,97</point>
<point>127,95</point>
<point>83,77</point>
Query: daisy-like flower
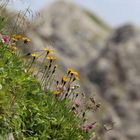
<point>26,40</point>
<point>75,75</point>
<point>57,92</point>
<point>34,55</point>
<point>48,51</point>
<point>51,58</point>
<point>75,78</point>
<point>69,70</point>
<point>65,79</point>
<point>14,40</point>
<point>18,37</point>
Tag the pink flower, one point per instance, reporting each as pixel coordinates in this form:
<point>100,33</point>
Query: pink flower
<point>5,39</point>
<point>90,126</point>
<point>86,128</point>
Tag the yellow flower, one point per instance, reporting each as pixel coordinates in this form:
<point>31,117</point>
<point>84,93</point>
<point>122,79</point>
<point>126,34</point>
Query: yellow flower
<point>69,70</point>
<point>65,79</point>
<point>14,39</point>
<point>34,55</point>
<point>75,75</point>
<point>48,51</point>
<point>51,58</point>
<point>26,40</point>
<point>17,37</point>
<point>57,92</point>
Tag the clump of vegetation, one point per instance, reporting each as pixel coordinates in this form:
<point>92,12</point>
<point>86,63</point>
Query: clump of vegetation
<point>34,103</point>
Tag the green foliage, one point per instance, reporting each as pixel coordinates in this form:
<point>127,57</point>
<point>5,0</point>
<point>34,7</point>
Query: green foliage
<point>2,22</point>
<point>27,111</point>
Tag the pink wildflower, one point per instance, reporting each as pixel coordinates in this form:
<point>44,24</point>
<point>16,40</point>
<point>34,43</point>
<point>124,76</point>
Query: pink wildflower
<point>86,128</point>
<point>5,39</point>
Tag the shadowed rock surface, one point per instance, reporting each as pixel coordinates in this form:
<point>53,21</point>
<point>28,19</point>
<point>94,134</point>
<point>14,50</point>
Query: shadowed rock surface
<point>116,74</point>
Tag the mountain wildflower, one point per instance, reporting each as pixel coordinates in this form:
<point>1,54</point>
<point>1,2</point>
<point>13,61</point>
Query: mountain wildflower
<point>5,39</point>
<point>75,78</point>
<point>69,70</point>
<point>34,55</point>
<point>17,37</point>
<point>65,79</point>
<point>87,128</point>
<point>75,75</point>
<point>26,40</point>
<point>51,58</point>
<point>57,92</point>
<point>48,51</point>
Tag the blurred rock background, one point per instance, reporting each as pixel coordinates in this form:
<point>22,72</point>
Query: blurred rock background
<point>107,60</point>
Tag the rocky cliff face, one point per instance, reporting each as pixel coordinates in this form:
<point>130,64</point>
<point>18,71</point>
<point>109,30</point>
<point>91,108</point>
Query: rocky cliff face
<point>116,75</point>
<point>107,60</point>
<point>72,33</point>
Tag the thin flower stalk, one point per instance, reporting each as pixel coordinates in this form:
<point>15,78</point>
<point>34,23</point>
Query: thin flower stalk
<point>34,57</point>
<point>47,52</point>
<point>42,63</point>
<point>50,79</point>
<point>51,60</point>
<point>46,73</point>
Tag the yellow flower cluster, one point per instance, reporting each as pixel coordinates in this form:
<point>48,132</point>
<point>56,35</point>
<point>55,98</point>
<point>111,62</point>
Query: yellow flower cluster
<point>16,38</point>
<point>51,58</point>
<point>73,74</point>
<point>66,83</point>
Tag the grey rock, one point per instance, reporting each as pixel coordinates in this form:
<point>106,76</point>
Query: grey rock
<point>70,31</point>
<point>118,80</point>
